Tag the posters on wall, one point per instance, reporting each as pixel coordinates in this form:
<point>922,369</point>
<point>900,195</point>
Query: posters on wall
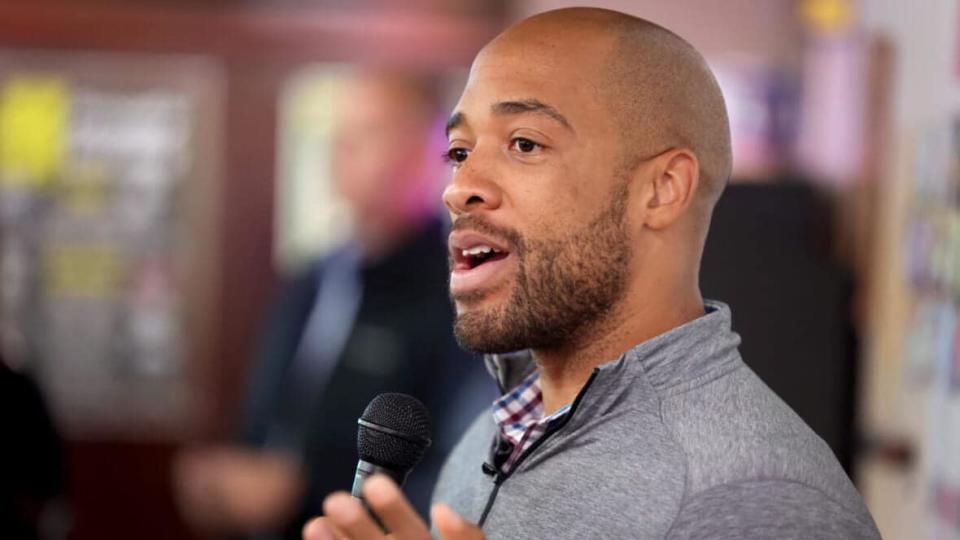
<point>91,177</point>
<point>932,355</point>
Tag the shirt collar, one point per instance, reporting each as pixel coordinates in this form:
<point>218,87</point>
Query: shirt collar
<point>519,416</point>
<point>523,405</point>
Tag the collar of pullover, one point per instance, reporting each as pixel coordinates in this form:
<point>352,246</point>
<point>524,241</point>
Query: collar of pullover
<point>685,357</point>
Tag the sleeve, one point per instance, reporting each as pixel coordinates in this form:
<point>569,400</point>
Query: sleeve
<point>277,341</point>
<point>778,509</point>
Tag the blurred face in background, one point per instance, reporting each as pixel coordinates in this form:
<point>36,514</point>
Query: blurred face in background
<point>382,164</point>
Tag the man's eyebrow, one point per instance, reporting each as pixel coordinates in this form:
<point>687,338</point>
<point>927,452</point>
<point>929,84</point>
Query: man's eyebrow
<point>530,106</point>
<point>455,120</point>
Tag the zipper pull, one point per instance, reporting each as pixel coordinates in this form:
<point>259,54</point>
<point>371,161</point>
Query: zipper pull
<point>496,474</point>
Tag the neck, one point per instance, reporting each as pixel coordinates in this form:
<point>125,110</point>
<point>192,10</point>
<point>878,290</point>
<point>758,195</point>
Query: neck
<point>565,370</point>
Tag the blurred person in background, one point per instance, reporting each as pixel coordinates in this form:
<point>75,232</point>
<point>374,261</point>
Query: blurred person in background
<point>33,477</point>
<point>371,317</point>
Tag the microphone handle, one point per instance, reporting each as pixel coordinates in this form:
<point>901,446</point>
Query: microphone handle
<point>365,470</point>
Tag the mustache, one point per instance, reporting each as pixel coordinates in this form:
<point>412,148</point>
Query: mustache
<point>477,223</point>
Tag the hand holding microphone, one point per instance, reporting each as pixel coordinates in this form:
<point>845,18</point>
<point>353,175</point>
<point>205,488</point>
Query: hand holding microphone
<point>394,433</point>
<point>393,436</point>
<point>346,518</point>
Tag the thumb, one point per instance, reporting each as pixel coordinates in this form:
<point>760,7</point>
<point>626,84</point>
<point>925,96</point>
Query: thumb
<point>453,527</point>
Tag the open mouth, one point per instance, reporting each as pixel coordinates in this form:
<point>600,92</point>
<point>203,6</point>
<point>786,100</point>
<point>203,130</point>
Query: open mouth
<point>468,259</point>
<point>478,262</point>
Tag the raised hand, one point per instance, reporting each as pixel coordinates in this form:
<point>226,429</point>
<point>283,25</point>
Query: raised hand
<point>346,519</point>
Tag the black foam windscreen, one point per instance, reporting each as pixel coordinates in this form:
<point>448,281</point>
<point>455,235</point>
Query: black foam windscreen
<point>394,431</point>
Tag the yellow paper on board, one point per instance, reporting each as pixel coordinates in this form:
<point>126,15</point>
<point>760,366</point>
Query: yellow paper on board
<point>830,16</point>
<point>34,116</point>
<point>83,270</point>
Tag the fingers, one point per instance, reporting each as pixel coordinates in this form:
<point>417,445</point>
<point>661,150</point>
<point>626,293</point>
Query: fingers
<point>390,505</point>
<point>321,529</point>
<point>453,527</point>
<point>346,518</point>
<point>350,517</point>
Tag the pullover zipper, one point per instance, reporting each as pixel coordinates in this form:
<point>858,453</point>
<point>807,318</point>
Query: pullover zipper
<point>502,477</point>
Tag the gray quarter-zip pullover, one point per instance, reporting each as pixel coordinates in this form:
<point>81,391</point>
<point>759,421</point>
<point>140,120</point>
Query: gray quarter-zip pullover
<point>677,438</point>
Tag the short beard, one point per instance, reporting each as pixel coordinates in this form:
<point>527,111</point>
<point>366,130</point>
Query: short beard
<point>564,287</point>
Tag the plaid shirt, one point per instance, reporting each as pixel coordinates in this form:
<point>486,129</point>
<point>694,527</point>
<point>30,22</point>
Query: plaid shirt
<point>519,414</point>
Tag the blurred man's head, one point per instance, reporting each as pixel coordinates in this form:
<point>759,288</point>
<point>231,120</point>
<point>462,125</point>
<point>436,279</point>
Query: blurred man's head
<point>383,159</point>
<point>590,147</point>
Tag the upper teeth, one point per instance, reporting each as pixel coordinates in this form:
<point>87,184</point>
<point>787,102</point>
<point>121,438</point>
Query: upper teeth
<point>477,250</point>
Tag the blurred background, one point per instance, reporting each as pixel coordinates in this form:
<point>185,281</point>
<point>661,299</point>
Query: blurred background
<point>184,200</point>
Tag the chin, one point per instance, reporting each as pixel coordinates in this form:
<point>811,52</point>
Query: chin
<point>487,332</point>
<point>483,346</point>
<point>478,300</point>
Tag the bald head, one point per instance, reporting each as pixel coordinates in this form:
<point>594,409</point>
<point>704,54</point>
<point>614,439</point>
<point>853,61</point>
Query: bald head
<point>653,82</point>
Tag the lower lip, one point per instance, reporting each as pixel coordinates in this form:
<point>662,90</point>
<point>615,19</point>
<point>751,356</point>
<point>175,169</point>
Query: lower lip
<point>464,281</point>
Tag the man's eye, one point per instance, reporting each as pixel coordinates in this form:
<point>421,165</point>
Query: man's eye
<point>524,145</point>
<point>456,155</point>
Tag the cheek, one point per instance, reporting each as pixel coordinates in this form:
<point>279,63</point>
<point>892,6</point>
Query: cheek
<point>556,215</point>
<point>546,196</point>
<point>581,186</point>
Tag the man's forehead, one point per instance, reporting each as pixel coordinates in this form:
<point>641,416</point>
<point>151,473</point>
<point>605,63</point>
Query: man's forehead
<point>498,80</point>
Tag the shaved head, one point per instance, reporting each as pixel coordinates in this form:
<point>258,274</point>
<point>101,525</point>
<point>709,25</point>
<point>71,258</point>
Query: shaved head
<point>654,82</point>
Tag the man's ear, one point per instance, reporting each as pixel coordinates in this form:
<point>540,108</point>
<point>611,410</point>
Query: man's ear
<point>673,187</point>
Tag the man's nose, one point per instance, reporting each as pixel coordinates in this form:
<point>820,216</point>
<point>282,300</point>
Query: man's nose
<point>471,190</point>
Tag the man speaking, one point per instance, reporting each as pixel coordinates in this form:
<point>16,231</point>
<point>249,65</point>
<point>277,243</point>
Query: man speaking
<point>589,149</point>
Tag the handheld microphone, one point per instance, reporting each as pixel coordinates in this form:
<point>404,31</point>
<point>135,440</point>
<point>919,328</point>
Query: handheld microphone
<point>394,434</point>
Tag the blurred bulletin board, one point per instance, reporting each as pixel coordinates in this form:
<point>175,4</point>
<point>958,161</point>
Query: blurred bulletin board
<point>932,343</point>
<point>108,167</point>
